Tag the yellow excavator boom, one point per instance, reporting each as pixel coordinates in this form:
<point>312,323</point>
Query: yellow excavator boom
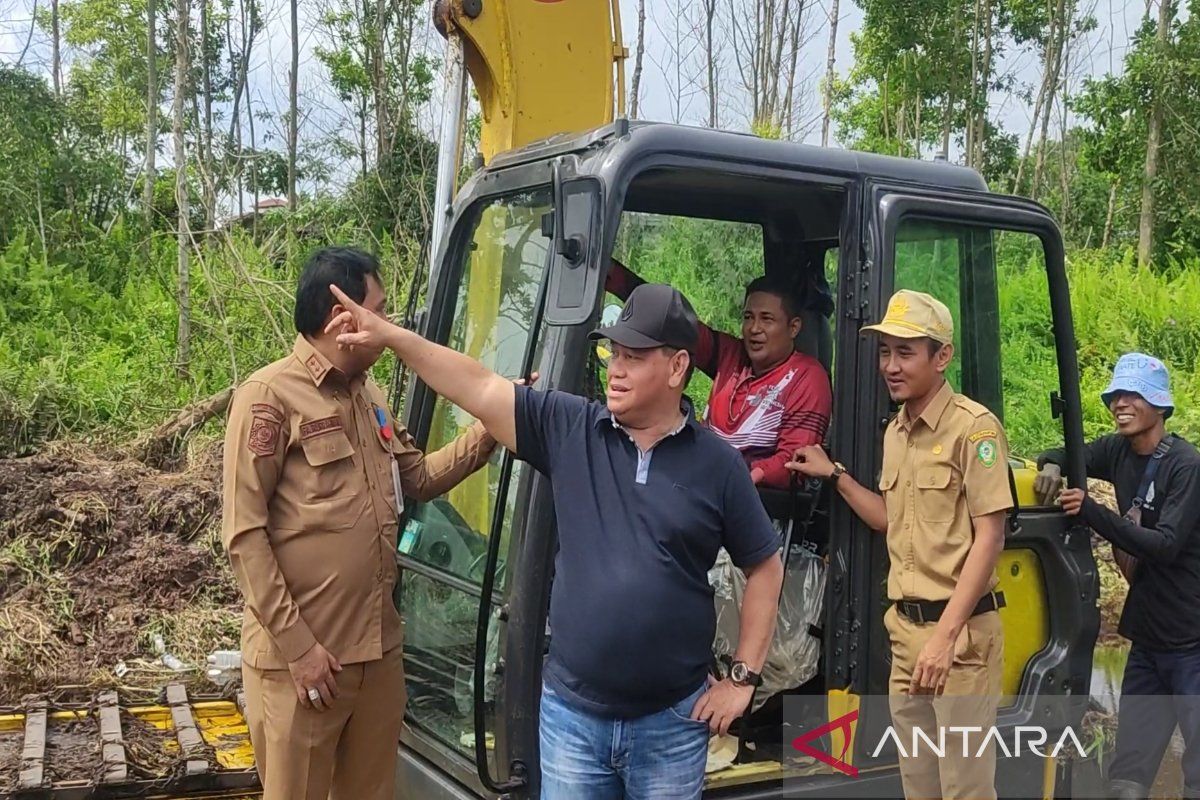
<point>541,67</point>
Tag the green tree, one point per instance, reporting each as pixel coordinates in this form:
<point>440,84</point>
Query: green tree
<point>1119,109</point>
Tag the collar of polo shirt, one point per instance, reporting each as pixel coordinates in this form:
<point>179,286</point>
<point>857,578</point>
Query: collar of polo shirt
<point>685,406</point>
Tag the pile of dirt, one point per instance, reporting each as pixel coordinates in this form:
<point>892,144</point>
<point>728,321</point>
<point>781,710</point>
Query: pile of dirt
<point>97,556</point>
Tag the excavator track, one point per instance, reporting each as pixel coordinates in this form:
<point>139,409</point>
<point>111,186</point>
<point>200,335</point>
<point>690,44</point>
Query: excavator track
<point>185,747</point>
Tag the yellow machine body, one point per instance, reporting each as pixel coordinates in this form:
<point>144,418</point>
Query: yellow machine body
<point>540,67</point>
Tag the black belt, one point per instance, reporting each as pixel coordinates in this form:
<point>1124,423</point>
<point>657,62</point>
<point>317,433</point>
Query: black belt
<point>922,611</point>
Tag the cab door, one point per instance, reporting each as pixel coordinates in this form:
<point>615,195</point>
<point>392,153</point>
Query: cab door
<point>471,591</point>
<point>998,264</point>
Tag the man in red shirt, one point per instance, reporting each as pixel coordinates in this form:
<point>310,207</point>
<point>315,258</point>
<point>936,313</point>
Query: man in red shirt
<point>768,399</point>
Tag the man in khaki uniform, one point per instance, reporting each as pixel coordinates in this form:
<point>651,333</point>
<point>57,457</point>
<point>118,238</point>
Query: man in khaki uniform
<point>315,470</point>
<point>945,492</point>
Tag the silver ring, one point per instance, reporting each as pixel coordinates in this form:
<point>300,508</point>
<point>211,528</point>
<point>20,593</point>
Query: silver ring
<point>314,695</point>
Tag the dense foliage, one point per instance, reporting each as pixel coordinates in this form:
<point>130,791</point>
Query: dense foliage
<point>89,276</point>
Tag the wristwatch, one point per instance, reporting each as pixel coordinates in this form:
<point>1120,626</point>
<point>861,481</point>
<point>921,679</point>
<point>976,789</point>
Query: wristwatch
<point>741,675</point>
<point>839,469</point>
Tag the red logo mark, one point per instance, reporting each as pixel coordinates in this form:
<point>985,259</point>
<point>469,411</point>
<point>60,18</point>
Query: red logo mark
<point>841,723</point>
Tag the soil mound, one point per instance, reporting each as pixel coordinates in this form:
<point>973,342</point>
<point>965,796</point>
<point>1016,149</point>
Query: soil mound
<point>100,556</point>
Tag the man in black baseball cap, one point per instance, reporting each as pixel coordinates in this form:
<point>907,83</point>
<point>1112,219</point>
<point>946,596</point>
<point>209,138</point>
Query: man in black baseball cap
<point>644,497</point>
<point>655,316</point>
<point>651,363</point>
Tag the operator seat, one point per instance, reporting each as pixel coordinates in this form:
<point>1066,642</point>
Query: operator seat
<point>816,337</point>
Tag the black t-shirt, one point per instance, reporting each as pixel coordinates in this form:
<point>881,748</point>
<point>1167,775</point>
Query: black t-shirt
<point>632,618</point>
<point>1162,611</point>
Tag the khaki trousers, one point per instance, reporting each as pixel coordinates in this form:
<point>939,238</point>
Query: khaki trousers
<point>347,752</point>
<point>971,698</point>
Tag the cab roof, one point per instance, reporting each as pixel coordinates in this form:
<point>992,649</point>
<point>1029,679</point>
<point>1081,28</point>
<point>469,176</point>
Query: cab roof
<point>625,141</point>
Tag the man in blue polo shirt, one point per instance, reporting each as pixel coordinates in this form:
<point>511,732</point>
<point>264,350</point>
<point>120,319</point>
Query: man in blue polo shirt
<point>644,497</point>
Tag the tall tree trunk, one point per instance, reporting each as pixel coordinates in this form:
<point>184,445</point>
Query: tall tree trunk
<point>1033,125</point>
<point>293,106</point>
<point>149,175</point>
<point>710,58</point>
<point>379,84</point>
<point>790,76</point>
<point>918,102</point>
<point>951,94</point>
<point>639,52</point>
<point>1064,164</point>
<point>974,95</point>
<point>984,87</point>
<point>1108,218</point>
<point>206,171</point>
<point>249,25</point>
<point>235,118</point>
<point>55,44</point>
<point>830,59</point>
<point>254,188</point>
<point>1059,28</point>
<point>1153,141</point>
<point>183,341</point>
<point>362,135</point>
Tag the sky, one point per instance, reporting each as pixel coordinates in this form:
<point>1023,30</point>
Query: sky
<point>322,112</point>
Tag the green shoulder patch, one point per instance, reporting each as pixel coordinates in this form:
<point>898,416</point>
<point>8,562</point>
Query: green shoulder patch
<point>985,451</point>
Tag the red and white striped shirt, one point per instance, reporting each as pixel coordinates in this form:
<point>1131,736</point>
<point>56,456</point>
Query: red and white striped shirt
<point>767,417</point>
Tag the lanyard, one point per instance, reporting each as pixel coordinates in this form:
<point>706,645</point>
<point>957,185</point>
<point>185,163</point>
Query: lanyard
<point>385,430</point>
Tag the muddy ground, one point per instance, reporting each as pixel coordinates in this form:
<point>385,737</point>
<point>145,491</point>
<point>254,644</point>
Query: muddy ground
<point>73,750</point>
<point>10,761</point>
<point>98,555</point>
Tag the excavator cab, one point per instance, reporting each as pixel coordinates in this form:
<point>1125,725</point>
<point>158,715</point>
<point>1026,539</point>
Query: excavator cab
<point>519,282</point>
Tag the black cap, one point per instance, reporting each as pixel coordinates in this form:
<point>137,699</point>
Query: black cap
<point>655,315</point>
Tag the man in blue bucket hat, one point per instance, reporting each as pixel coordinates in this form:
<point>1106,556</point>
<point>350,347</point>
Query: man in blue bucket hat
<point>1156,543</point>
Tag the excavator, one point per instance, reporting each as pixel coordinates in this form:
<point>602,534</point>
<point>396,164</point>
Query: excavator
<point>562,184</point>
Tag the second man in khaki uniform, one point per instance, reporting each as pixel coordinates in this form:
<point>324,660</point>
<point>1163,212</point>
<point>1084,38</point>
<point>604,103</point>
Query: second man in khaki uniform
<point>315,472</point>
<point>945,491</point>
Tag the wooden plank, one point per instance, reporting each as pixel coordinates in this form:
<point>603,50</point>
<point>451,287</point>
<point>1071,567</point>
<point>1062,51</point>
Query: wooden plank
<point>191,743</point>
<point>33,755</point>
<point>112,742</point>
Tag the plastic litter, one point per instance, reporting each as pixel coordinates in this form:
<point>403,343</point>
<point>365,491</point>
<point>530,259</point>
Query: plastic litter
<point>794,653</point>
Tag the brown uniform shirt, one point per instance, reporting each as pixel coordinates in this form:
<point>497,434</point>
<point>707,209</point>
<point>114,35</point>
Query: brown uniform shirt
<point>310,513</point>
<point>939,470</point>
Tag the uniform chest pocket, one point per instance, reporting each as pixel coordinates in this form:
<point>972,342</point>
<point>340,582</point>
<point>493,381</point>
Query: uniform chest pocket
<point>331,457</point>
<point>887,485</point>
<point>937,493</point>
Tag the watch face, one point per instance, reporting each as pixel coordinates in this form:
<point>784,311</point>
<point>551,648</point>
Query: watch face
<point>738,672</point>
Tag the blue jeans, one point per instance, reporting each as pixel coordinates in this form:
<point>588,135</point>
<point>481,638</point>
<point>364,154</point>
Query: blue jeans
<point>656,757</point>
<point>1161,688</point>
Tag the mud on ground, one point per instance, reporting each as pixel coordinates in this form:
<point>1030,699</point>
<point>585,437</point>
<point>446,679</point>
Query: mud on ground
<point>73,750</point>
<point>97,556</point>
<point>100,553</point>
<point>10,761</point>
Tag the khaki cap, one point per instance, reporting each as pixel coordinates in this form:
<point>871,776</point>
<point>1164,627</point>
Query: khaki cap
<point>911,315</point>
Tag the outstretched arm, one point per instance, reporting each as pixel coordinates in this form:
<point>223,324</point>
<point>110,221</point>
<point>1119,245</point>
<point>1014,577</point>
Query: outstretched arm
<point>621,280</point>
<point>459,378</point>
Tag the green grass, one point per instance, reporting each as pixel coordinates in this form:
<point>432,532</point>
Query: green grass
<point>92,351</point>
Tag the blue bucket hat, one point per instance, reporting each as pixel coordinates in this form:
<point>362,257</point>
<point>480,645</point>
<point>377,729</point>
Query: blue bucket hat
<point>1142,375</point>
